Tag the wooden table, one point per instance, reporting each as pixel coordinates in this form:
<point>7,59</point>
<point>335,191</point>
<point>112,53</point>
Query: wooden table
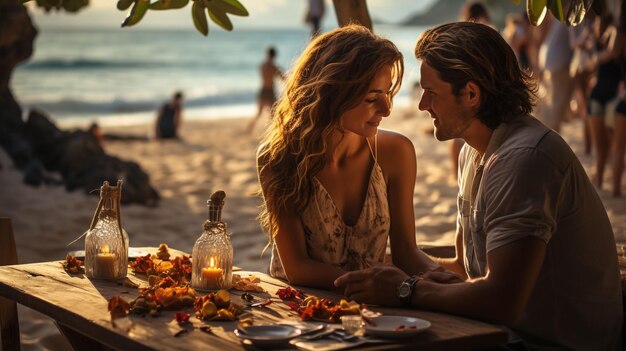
<point>79,306</point>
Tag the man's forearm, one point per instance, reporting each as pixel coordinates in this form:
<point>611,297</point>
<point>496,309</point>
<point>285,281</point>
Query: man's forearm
<point>473,299</point>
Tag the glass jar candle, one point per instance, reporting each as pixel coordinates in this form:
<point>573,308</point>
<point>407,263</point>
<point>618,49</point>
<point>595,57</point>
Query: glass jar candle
<point>212,254</point>
<point>106,242</point>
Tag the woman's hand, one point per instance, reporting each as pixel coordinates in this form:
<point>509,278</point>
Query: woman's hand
<point>442,276</point>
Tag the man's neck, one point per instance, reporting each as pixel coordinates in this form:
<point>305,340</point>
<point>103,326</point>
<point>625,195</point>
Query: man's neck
<point>478,136</point>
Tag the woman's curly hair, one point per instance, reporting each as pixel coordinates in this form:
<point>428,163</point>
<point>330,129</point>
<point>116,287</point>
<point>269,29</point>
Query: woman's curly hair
<point>330,77</point>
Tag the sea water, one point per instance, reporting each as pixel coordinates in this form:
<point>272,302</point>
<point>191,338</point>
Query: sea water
<point>122,76</point>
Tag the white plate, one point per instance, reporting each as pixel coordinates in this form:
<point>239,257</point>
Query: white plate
<point>390,326</point>
<point>268,334</point>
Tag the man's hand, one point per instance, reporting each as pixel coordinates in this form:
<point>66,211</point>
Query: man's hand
<point>375,285</point>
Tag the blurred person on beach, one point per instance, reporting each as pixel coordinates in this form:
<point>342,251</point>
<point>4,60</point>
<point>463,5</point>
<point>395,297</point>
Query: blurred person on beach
<point>336,187</point>
<point>516,34</point>
<point>555,55</point>
<point>608,77</point>
<point>534,247</point>
<point>314,15</point>
<point>619,138</point>
<point>267,96</point>
<point>96,131</point>
<point>583,43</point>
<point>169,117</point>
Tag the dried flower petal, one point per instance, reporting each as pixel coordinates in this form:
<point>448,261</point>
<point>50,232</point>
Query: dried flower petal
<point>73,265</point>
<point>118,307</point>
<point>182,317</point>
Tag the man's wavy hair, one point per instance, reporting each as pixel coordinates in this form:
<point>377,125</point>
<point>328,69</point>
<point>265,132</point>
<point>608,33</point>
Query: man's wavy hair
<point>461,52</point>
<point>330,77</point>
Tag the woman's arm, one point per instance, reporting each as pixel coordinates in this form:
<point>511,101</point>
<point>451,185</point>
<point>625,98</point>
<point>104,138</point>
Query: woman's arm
<point>398,162</point>
<point>299,267</point>
<point>611,50</point>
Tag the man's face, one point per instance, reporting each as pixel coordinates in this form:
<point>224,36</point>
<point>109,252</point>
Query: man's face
<point>451,115</point>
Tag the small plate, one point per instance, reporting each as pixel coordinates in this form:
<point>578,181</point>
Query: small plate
<point>393,327</point>
<point>268,334</point>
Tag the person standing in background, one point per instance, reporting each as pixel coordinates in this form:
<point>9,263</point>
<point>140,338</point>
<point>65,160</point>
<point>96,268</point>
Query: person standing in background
<point>169,117</point>
<point>555,55</point>
<point>267,95</point>
<point>619,139</point>
<point>583,43</point>
<point>314,15</point>
<point>608,77</point>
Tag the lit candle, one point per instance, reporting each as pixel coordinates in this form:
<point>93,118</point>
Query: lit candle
<point>212,276</point>
<point>105,265</point>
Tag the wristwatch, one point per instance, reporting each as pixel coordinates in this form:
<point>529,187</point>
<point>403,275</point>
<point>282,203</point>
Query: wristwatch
<point>405,290</point>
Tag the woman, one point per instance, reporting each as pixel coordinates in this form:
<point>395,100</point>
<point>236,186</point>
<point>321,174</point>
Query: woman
<point>607,81</point>
<point>619,142</point>
<point>335,186</point>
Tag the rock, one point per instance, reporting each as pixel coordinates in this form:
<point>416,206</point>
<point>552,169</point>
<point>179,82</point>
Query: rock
<point>82,162</point>
<point>33,173</point>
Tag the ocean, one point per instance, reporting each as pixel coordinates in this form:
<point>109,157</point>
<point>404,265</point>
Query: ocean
<point>122,76</point>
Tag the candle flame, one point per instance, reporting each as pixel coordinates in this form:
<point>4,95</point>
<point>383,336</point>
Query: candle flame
<point>105,249</point>
<point>212,263</point>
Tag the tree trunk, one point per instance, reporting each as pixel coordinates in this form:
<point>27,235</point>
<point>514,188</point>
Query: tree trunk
<point>352,11</point>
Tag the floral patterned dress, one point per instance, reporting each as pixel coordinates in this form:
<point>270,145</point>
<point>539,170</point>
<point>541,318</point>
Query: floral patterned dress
<point>330,240</point>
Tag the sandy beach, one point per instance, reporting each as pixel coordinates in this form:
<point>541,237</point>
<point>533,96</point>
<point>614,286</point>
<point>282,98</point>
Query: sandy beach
<point>216,155</point>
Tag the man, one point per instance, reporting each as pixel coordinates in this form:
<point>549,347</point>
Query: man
<point>314,15</point>
<point>169,117</point>
<point>534,246</point>
<point>267,96</point>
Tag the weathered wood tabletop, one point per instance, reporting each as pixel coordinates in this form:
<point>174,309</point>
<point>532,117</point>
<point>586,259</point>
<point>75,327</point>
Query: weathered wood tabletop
<point>81,305</point>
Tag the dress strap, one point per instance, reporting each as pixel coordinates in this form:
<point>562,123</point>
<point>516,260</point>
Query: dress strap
<point>375,151</point>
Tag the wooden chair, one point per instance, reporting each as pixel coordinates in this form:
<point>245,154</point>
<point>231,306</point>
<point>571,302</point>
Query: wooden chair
<point>8,309</point>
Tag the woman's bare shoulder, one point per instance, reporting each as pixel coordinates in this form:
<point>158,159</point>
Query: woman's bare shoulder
<point>395,152</point>
<point>390,140</point>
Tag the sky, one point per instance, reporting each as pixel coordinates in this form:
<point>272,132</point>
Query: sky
<point>263,13</point>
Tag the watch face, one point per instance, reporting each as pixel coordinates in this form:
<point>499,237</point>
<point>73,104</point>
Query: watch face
<point>404,290</point>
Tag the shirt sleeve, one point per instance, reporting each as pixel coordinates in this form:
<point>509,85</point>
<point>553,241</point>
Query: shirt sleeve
<point>522,190</point>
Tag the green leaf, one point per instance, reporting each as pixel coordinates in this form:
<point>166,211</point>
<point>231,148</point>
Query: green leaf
<point>536,10</point>
<point>169,4</point>
<point>53,3</point>
<point>232,6</point>
<point>556,8</point>
<point>123,5</point>
<point>578,9</point>
<point>136,13</point>
<point>74,5</point>
<point>44,4</point>
<point>199,17</point>
<point>218,16</point>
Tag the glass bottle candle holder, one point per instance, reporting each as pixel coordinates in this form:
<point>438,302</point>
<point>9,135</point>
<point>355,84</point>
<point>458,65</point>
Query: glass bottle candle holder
<point>106,242</point>
<point>213,253</point>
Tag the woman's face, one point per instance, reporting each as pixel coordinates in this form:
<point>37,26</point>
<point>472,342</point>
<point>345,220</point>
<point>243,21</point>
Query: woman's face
<point>364,118</point>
